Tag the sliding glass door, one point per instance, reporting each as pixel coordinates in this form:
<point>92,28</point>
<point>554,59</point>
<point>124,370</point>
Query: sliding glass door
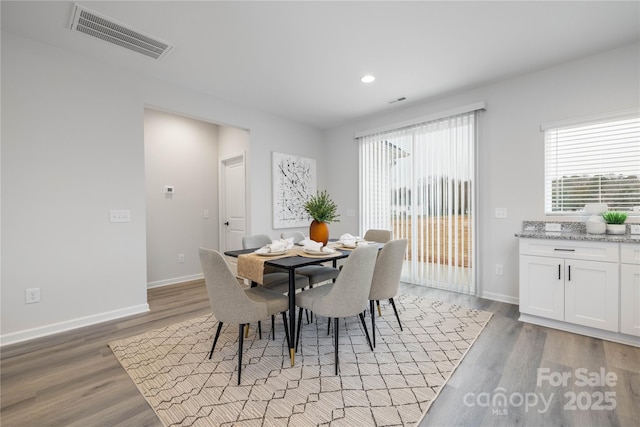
<point>419,181</point>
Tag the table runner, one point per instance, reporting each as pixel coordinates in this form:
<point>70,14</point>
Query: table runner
<point>251,265</point>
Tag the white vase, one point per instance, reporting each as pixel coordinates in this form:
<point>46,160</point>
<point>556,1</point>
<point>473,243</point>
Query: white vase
<point>595,208</point>
<point>616,228</point>
<point>596,227</point>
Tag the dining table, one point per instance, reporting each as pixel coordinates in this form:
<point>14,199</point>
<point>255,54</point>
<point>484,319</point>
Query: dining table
<point>297,258</point>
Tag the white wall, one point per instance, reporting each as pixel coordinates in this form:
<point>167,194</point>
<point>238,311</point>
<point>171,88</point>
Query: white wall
<point>183,153</point>
<point>510,147</point>
<point>72,149</point>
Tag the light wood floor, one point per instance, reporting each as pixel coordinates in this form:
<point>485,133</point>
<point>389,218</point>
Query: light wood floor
<point>73,378</point>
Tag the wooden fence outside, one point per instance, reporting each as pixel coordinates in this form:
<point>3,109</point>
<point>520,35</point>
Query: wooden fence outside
<point>433,237</point>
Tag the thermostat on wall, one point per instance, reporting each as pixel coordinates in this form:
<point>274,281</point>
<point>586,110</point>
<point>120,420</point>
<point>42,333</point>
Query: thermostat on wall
<point>168,189</point>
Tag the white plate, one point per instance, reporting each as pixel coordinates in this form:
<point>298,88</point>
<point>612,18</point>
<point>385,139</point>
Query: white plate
<point>271,253</point>
<point>348,246</point>
<point>312,252</point>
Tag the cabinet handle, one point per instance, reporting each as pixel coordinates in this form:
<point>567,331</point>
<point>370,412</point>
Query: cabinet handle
<point>569,275</point>
<point>564,250</point>
<point>559,271</point>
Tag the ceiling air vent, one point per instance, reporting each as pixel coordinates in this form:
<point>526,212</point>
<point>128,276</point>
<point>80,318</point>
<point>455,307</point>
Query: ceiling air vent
<point>96,25</point>
<point>393,101</point>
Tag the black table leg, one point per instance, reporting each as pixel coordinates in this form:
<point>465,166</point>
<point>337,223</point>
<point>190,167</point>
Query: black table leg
<point>292,313</point>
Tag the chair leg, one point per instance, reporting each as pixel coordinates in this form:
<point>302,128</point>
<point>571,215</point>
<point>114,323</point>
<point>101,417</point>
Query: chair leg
<point>273,327</point>
<point>373,322</point>
<point>335,334</point>
<point>379,311</point>
<point>240,339</point>
<point>393,304</point>
<point>215,340</point>
<point>328,325</point>
<point>286,329</point>
<point>299,327</point>
<point>259,329</point>
<point>366,331</point>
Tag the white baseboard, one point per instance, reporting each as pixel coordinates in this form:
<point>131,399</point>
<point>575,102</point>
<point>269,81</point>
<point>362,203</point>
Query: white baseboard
<point>500,297</point>
<point>29,334</point>
<point>582,330</point>
<point>174,280</point>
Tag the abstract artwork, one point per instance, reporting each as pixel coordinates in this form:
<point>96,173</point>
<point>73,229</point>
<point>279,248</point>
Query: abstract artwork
<point>294,181</point>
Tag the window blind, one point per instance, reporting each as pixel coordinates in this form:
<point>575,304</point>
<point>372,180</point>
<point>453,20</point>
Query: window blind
<point>419,182</point>
<point>593,162</point>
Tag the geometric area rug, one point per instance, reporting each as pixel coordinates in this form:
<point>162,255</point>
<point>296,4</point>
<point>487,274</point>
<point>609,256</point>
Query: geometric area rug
<point>393,385</point>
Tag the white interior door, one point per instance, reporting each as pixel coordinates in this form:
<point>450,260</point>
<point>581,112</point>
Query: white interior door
<point>232,208</point>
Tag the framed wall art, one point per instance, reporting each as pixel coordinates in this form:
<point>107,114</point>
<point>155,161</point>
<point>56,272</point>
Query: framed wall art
<point>294,181</point>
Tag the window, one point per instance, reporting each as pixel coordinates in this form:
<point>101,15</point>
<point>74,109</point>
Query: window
<point>593,161</point>
<point>419,181</point>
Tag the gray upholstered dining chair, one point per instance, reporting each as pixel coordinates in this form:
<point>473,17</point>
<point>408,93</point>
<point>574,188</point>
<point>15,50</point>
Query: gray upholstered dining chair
<point>346,297</point>
<point>316,273</point>
<point>255,241</point>
<point>386,278</point>
<point>231,304</point>
<point>274,279</point>
<point>380,236</point>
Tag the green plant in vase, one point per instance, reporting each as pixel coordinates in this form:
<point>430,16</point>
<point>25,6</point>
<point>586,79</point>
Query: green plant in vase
<point>615,222</point>
<point>323,210</point>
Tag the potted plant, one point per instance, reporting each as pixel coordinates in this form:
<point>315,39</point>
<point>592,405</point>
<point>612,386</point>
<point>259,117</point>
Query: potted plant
<point>323,211</point>
<point>615,222</point>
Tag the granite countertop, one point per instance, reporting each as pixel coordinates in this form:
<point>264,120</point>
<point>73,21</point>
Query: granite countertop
<point>572,231</point>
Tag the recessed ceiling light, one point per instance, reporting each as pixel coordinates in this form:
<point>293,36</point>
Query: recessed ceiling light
<point>367,79</point>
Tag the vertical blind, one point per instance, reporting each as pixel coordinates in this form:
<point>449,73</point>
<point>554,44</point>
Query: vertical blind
<point>419,182</point>
<point>593,162</point>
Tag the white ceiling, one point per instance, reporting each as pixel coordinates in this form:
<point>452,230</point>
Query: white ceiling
<point>303,60</point>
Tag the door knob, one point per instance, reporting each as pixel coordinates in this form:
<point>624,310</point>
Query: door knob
<point>226,223</point>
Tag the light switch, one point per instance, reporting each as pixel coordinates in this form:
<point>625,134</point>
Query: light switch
<point>119,216</point>
<point>501,212</point>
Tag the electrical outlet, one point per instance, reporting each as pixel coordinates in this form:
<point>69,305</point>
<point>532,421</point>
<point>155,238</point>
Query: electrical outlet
<point>32,295</point>
<point>181,258</point>
<point>499,269</point>
<point>501,212</point>
<point>635,228</point>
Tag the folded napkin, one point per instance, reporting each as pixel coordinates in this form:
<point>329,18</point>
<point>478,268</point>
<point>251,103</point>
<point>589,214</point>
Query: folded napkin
<point>348,236</point>
<point>350,243</point>
<point>313,246</point>
<point>328,250</point>
<point>350,240</point>
<point>305,241</point>
<point>276,246</point>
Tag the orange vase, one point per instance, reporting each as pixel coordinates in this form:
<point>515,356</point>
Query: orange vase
<point>319,231</point>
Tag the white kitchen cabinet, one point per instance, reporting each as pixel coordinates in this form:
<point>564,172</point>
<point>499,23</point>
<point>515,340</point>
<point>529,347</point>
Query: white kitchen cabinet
<point>570,281</point>
<point>542,286</point>
<point>630,289</point>
<point>591,294</point>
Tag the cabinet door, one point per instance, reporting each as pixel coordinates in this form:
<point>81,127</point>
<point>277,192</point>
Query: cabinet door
<point>591,294</point>
<point>630,299</point>
<point>542,286</point>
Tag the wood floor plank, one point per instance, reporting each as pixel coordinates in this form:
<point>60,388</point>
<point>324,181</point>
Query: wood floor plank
<point>73,378</point>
